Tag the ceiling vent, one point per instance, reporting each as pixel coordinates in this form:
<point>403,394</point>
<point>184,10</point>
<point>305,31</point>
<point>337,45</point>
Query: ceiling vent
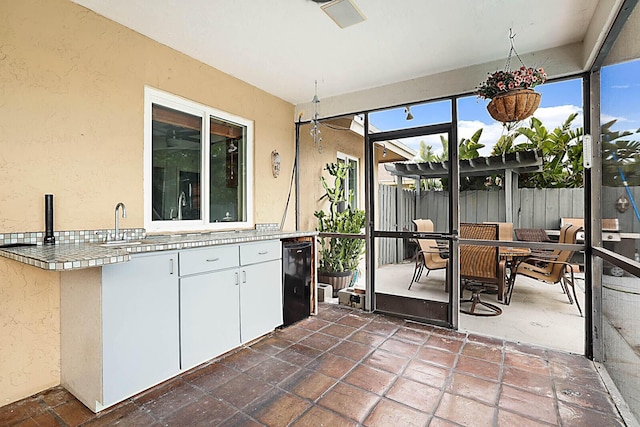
<point>343,12</point>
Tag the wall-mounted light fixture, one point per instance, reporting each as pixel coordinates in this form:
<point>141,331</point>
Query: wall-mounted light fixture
<point>384,148</point>
<point>275,163</point>
<point>407,111</point>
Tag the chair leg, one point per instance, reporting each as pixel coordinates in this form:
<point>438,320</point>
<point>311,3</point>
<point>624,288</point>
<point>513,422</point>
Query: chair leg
<point>475,300</point>
<point>416,274</point>
<point>573,289</point>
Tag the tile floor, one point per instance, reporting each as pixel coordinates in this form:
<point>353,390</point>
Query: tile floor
<point>349,368</point>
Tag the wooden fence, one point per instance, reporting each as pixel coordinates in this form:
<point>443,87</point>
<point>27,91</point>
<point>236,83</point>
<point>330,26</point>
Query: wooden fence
<point>532,208</point>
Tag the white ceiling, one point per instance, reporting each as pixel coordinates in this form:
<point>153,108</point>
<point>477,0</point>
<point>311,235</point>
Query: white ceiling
<point>283,46</point>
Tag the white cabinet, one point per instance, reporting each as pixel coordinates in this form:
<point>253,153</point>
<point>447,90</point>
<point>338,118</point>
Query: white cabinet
<point>140,341</point>
<point>229,295</point>
<point>129,326</point>
<point>209,321</point>
<point>119,328</point>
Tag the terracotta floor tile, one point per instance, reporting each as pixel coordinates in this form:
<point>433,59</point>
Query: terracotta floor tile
<point>308,384</point>
<point>244,359</point>
<point>478,367</point>
<point>490,341</point>
<point>509,419</point>
<point>530,381</point>
<point>436,356</point>
<point>573,416</point>
<point>298,354</point>
<point>278,409</point>
<point>43,419</point>
<point>349,401</point>
<point>525,348</point>
<point>449,333</point>
<point>271,345</point>
<point>56,396</point>
<point>332,366</point>
<point>351,350</point>
<point>578,376</point>
<point>73,413</point>
<point>206,411</point>
<point>585,397</point>
<point>411,335</point>
<point>21,410</point>
<point>313,323</point>
<point>333,314</point>
<point>465,411</point>
<point>482,351</point>
<point>241,390</point>
<point>174,400</point>
<point>399,348</point>
<point>370,379</point>
<point>380,328</point>
<point>157,391</point>
<point>389,413</point>
<point>338,331</point>
<point>272,371</point>
<point>474,388</point>
<point>526,362</point>
<point>417,395</point>
<point>318,416</point>
<point>293,333</point>
<point>214,376</point>
<point>353,321</point>
<point>320,341</point>
<point>439,422</point>
<point>386,361</point>
<point>444,343</point>
<point>114,415</point>
<point>531,405</point>
<point>367,338</point>
<point>241,420</point>
<point>426,373</point>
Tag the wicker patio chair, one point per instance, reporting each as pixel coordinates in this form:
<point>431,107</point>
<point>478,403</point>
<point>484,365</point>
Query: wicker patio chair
<point>479,266</point>
<point>535,235</point>
<point>428,257</point>
<point>556,267</point>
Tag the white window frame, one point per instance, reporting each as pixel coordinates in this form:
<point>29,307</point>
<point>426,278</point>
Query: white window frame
<point>347,158</point>
<point>155,96</point>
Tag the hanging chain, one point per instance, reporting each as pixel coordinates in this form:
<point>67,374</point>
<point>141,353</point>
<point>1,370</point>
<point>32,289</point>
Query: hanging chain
<point>512,51</point>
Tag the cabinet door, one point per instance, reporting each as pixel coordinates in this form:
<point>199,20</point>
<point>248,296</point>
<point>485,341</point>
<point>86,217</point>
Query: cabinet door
<point>260,299</point>
<point>209,319</point>
<point>139,324</point>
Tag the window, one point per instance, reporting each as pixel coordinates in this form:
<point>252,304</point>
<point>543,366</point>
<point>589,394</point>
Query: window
<point>197,166</point>
<point>351,183</point>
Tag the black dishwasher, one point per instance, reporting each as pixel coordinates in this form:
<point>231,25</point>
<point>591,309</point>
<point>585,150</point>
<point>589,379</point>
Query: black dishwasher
<point>296,269</point>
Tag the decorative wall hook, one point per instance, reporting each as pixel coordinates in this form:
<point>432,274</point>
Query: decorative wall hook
<point>275,163</point>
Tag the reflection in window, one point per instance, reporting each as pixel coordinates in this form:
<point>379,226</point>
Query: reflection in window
<point>198,165</point>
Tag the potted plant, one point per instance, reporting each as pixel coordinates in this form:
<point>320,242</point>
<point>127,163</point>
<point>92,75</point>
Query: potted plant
<point>339,256</point>
<point>511,93</point>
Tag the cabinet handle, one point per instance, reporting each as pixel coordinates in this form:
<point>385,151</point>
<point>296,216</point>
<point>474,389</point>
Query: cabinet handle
<point>263,253</point>
<point>213,259</point>
<point>237,283</point>
<point>244,276</point>
<point>170,265</point>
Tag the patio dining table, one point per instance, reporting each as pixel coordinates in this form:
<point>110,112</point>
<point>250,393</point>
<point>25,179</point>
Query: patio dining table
<point>512,257</point>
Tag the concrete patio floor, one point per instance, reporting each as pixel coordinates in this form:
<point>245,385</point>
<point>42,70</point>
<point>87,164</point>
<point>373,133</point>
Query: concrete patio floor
<point>539,314</point>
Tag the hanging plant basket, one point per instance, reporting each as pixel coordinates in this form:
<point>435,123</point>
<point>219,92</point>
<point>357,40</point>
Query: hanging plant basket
<point>514,105</point>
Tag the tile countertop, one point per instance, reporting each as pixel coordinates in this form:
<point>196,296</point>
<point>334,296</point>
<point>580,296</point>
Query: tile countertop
<point>86,255</point>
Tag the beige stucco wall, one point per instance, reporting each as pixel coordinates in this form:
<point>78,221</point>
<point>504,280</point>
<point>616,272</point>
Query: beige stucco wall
<point>312,163</point>
<point>71,121</point>
<point>29,330</point>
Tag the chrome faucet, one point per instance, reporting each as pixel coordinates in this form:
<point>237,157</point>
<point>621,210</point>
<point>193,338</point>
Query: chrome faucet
<point>124,215</point>
<point>182,201</point>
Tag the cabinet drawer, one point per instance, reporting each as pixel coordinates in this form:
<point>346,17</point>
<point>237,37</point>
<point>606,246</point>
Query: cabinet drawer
<point>208,259</point>
<point>252,253</point>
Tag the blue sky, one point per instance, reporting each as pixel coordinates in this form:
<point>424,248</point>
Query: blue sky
<point>620,91</point>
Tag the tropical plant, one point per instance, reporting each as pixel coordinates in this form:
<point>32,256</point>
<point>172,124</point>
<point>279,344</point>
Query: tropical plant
<point>620,156</point>
<point>505,81</point>
<point>338,254</point>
